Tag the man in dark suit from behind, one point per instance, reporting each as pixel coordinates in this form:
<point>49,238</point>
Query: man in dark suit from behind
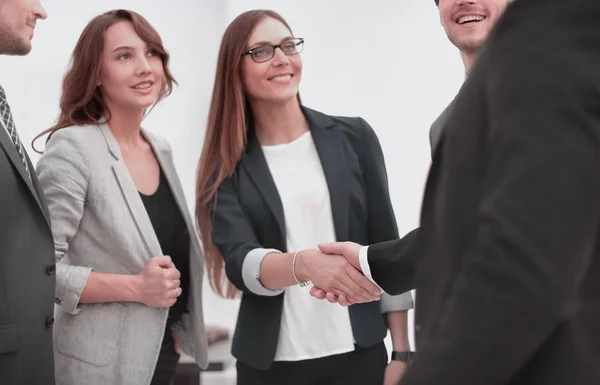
<point>26,247</point>
<point>508,278</point>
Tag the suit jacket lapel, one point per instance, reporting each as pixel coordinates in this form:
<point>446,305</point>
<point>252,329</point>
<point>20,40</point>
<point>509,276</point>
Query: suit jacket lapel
<point>131,194</point>
<point>330,147</point>
<point>255,165</point>
<point>39,193</point>
<point>14,157</point>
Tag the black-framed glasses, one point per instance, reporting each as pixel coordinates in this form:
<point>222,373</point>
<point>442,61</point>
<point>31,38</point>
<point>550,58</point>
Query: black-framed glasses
<point>266,52</point>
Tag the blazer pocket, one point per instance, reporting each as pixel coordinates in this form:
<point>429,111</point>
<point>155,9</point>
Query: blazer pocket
<point>9,341</point>
<point>91,336</point>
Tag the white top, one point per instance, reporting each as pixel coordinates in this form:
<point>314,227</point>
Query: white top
<point>310,328</point>
<point>363,260</point>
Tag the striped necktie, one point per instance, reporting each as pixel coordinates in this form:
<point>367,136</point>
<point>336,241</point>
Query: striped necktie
<point>9,124</point>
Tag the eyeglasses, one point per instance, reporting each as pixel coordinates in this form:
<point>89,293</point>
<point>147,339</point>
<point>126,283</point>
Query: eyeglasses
<point>266,52</point>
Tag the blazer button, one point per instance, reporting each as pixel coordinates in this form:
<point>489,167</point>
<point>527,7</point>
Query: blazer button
<point>51,269</point>
<point>50,322</point>
<point>57,301</point>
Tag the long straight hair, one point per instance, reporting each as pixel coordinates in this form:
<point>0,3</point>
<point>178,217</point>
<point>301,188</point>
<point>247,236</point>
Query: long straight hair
<point>226,137</point>
<point>81,100</point>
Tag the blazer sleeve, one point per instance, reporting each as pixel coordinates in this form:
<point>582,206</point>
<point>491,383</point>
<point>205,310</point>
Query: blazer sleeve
<point>63,175</point>
<point>381,220</point>
<point>392,263</point>
<point>234,236</point>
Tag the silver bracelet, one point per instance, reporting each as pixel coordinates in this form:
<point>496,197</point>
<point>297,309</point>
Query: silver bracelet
<point>301,283</point>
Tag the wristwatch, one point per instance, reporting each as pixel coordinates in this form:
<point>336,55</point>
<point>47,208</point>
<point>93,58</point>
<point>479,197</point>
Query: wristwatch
<point>403,356</point>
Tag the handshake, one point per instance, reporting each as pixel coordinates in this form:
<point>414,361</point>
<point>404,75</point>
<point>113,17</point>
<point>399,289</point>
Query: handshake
<point>335,271</point>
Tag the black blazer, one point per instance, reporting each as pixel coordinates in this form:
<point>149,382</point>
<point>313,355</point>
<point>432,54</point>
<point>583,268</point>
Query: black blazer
<point>26,274</point>
<point>507,261</point>
<point>248,214</point>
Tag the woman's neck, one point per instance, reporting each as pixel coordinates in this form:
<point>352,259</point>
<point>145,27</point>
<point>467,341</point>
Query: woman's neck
<point>278,123</point>
<point>125,126</point>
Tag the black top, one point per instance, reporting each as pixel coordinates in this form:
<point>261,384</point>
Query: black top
<point>173,236</point>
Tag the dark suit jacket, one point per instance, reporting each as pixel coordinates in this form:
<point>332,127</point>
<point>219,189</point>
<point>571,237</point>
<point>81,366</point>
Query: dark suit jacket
<point>405,251</point>
<point>508,277</point>
<point>248,215</point>
<point>437,128</point>
<point>26,274</point>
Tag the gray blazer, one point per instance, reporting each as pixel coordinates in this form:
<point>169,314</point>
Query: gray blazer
<point>100,223</point>
<point>26,273</point>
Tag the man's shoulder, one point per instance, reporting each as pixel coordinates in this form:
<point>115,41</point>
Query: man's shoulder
<point>437,127</point>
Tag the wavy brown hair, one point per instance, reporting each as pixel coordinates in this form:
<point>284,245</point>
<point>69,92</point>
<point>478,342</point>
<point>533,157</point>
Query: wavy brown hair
<point>81,100</point>
<point>225,139</point>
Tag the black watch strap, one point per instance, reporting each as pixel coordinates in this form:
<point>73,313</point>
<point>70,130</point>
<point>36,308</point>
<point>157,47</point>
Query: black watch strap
<point>403,356</point>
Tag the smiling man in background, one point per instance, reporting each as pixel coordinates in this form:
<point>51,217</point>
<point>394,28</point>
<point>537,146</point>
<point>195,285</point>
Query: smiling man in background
<point>467,24</point>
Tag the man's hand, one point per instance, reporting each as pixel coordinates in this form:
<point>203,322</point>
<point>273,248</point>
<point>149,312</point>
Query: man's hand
<point>394,372</point>
<point>334,274</point>
<point>348,250</point>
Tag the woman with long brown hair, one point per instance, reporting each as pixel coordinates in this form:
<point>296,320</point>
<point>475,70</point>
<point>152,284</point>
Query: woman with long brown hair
<point>275,180</point>
<point>125,244</point>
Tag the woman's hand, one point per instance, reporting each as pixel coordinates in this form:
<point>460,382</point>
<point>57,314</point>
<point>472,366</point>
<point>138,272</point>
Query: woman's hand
<point>158,283</point>
<point>334,274</point>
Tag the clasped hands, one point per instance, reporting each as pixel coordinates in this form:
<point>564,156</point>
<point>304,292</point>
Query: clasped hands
<point>335,271</point>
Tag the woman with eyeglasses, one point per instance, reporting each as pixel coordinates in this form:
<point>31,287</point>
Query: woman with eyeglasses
<point>275,180</point>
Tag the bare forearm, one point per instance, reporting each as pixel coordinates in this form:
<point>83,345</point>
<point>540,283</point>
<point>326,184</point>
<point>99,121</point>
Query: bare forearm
<point>398,325</point>
<point>101,287</point>
<point>276,271</point>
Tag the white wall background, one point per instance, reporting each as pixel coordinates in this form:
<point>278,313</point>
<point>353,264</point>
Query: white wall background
<point>387,61</point>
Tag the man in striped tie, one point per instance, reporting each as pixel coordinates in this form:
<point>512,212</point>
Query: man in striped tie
<point>26,247</point>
